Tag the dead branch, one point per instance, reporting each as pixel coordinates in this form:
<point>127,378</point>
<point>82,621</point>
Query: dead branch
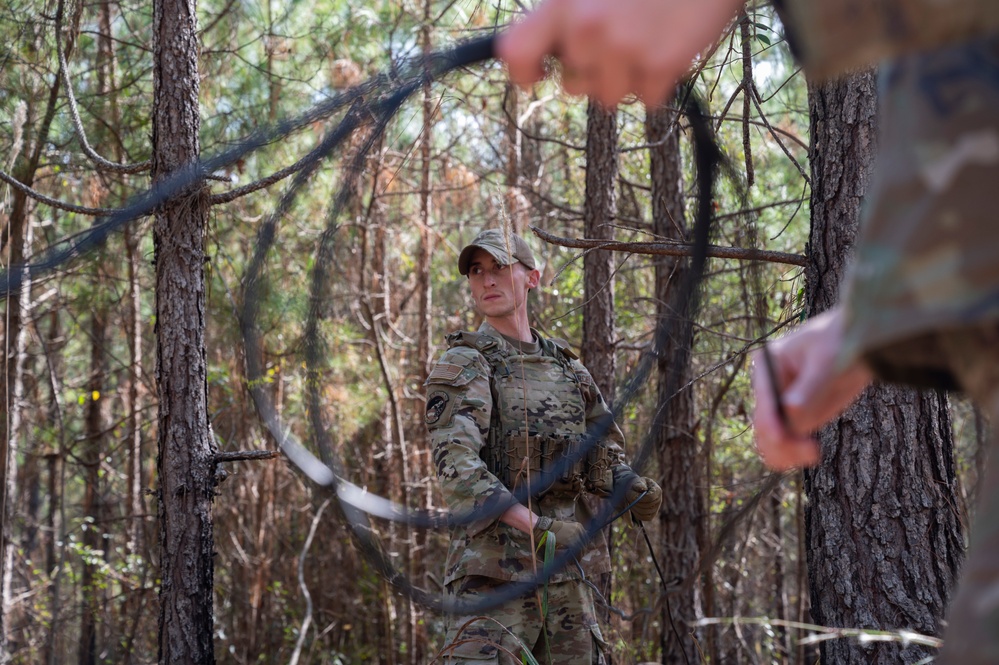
<point>754,97</point>
<point>249,455</point>
<point>81,135</point>
<point>55,203</point>
<point>672,249</point>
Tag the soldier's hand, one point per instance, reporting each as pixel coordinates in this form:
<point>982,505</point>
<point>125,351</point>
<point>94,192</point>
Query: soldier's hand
<point>566,533</point>
<point>611,47</point>
<point>647,507</point>
<point>812,385</point>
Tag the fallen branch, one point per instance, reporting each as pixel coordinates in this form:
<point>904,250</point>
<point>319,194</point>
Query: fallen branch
<point>672,249</point>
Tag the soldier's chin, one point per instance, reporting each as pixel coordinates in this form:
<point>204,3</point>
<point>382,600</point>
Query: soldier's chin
<point>492,307</point>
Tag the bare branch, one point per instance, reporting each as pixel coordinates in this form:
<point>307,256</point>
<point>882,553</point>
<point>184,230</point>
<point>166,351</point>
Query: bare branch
<point>672,249</point>
<point>233,194</point>
<point>307,621</point>
<point>755,99</point>
<point>81,135</point>
<point>249,455</point>
<point>211,26</point>
<point>55,203</point>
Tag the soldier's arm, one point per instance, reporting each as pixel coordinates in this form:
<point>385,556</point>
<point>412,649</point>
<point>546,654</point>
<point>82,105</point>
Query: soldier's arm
<point>459,404</point>
<point>833,36</point>
<point>597,411</point>
<point>643,495</point>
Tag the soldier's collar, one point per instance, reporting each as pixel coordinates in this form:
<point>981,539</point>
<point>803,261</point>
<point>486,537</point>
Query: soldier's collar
<point>526,348</point>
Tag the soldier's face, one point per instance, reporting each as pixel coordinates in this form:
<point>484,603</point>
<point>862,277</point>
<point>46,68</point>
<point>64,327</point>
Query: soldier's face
<point>499,290</point>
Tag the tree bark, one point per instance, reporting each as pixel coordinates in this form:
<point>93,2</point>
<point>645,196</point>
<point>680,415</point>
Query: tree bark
<point>680,461</point>
<point>15,436</point>
<point>53,457</point>
<point>883,536</point>
<point>599,211</point>
<point>136,538</point>
<point>417,464</point>
<point>184,461</point>
<point>90,459</point>
<point>517,205</point>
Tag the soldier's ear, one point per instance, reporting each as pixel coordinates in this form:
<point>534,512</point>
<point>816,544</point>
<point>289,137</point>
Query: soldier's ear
<point>533,278</point>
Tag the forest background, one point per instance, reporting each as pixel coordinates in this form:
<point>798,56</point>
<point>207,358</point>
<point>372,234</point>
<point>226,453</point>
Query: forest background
<point>137,525</point>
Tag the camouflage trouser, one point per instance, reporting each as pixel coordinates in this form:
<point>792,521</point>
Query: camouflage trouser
<point>501,634</point>
<point>972,634</point>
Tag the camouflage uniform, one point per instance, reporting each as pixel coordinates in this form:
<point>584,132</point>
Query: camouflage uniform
<point>926,255</point>
<point>972,635</point>
<point>830,37</point>
<point>461,392</point>
<point>922,298</point>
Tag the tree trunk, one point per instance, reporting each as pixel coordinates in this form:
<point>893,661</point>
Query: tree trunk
<point>682,516</point>
<point>185,458</point>
<point>517,205</point>
<point>90,459</point>
<point>17,239</point>
<point>108,86</point>
<point>136,539</point>
<point>782,644</point>
<point>883,535</point>
<point>417,464</point>
<point>599,211</point>
<point>15,402</point>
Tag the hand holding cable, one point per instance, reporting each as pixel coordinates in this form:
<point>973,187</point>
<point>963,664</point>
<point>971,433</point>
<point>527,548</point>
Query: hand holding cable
<point>800,384</point>
<point>643,496</point>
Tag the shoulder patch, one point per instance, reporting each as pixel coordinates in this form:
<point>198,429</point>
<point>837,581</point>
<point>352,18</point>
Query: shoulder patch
<point>437,403</point>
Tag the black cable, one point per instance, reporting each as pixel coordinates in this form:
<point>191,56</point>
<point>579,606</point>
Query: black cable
<point>373,103</point>
<point>378,92</point>
<point>356,504</point>
<point>662,580</point>
<point>768,360</point>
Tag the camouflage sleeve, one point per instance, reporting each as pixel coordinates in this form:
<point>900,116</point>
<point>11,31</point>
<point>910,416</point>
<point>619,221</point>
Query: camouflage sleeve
<point>597,410</point>
<point>830,37</point>
<point>459,403</point>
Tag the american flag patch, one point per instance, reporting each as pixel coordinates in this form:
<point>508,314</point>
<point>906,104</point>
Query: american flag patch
<point>444,373</point>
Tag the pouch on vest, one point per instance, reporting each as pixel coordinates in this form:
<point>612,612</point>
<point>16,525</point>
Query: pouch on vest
<point>521,461</point>
<point>599,477</point>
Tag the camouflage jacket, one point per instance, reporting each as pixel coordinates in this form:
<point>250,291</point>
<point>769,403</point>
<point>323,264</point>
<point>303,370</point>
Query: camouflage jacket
<point>459,411</point>
<point>926,256</point>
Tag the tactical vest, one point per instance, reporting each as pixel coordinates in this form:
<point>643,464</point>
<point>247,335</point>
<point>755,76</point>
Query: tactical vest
<point>538,419</point>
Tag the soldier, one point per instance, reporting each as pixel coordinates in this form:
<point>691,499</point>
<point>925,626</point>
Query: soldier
<point>504,406</point>
<point>921,305</point>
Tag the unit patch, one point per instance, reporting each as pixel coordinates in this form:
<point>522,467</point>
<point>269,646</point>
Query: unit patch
<point>436,405</point>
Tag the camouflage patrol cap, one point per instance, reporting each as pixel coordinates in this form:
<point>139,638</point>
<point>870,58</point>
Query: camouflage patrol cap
<point>506,248</point>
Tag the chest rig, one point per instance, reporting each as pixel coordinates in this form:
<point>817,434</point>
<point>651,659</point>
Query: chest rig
<point>538,420</point>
